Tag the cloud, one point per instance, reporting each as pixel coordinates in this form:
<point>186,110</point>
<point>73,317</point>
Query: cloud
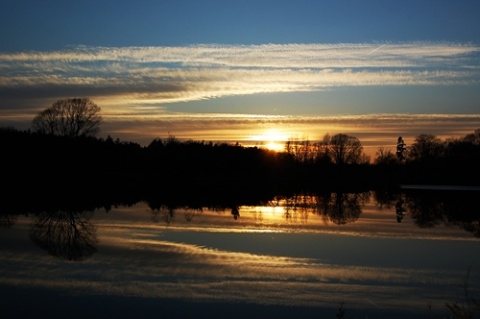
<point>268,55</point>
<point>160,75</point>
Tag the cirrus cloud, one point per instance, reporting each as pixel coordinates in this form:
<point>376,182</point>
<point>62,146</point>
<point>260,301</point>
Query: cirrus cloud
<point>160,75</point>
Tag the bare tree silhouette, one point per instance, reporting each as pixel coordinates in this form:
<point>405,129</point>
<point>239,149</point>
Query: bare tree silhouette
<point>345,149</point>
<point>70,117</point>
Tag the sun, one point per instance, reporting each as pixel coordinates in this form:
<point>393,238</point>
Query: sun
<point>272,139</point>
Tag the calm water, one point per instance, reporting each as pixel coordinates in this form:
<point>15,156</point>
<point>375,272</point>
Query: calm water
<point>291,257</point>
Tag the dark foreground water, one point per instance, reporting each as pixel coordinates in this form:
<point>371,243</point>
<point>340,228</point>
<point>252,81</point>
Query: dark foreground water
<point>297,257</point>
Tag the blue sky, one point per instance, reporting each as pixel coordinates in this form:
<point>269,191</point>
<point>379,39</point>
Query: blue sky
<point>152,64</point>
<point>53,24</point>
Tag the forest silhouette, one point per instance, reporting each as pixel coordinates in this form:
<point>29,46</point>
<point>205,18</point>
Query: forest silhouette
<point>46,164</point>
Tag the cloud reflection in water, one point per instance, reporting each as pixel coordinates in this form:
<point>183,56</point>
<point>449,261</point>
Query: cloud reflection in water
<point>261,258</point>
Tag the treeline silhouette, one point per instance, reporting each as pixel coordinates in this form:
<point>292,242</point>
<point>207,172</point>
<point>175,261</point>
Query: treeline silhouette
<point>90,168</point>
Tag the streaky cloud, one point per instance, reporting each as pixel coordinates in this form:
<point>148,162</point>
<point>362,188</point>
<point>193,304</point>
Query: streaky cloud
<point>267,55</point>
<point>179,74</point>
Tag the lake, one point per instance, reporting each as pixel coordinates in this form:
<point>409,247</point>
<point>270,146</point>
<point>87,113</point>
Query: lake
<point>374,255</point>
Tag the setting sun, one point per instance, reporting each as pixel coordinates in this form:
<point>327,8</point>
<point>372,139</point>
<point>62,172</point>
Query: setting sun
<point>272,139</point>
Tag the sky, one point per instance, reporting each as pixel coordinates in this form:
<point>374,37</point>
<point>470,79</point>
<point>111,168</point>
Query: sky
<point>254,72</point>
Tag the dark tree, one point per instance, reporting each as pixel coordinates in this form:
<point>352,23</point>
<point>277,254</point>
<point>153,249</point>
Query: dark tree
<point>345,149</point>
<point>401,148</point>
<point>473,138</point>
<point>426,147</point>
<point>70,117</point>
<point>384,156</point>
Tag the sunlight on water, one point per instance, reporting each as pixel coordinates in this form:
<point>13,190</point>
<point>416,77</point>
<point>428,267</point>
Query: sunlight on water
<point>290,251</point>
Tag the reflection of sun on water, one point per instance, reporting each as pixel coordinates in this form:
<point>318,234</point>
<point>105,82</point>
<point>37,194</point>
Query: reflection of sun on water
<point>272,139</point>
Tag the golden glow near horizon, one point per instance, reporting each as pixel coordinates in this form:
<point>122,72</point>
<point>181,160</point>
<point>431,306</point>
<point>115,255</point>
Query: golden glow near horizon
<point>272,139</point>
<point>272,131</point>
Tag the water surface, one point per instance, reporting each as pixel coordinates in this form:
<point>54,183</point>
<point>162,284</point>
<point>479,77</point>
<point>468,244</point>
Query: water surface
<point>296,256</point>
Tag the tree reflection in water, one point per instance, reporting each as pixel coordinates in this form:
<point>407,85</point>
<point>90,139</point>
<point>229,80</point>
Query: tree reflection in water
<point>400,209</point>
<point>339,208</point>
<point>343,208</point>
<point>7,220</point>
<point>235,212</point>
<point>163,213</point>
<point>65,234</point>
<point>298,206</point>
<point>461,209</point>
<point>426,208</point>
<point>166,213</point>
<point>430,208</point>
<point>427,211</point>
